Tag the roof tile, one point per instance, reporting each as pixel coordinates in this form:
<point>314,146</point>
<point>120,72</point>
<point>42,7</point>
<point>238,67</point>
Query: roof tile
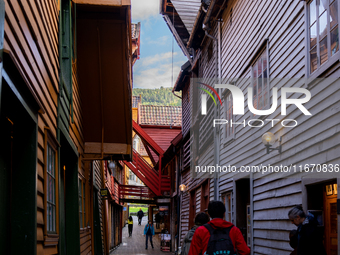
<point>160,115</point>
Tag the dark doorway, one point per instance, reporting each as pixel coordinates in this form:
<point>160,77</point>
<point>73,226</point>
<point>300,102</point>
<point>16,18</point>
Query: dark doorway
<point>243,208</point>
<point>18,175</point>
<point>192,209</point>
<point>69,203</point>
<point>322,203</point>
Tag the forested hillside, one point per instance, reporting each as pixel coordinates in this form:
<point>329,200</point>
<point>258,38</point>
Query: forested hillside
<point>161,96</point>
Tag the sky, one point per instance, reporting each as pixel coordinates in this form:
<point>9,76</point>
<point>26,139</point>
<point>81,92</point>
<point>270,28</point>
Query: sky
<point>154,68</point>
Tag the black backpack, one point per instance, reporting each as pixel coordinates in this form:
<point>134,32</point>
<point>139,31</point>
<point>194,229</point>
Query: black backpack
<point>219,241</point>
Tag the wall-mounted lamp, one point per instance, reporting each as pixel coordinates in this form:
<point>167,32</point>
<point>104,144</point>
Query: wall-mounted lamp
<point>268,139</point>
<point>112,167</point>
<point>182,187</point>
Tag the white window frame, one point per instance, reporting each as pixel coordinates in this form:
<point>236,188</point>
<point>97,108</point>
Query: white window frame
<point>228,208</point>
<point>266,102</point>
<point>331,59</point>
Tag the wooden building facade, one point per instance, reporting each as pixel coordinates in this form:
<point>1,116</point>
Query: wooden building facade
<point>53,144</point>
<point>245,40</point>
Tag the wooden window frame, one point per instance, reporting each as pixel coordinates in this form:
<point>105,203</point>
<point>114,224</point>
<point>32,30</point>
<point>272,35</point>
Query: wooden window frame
<point>205,198</point>
<point>82,182</point>
<point>331,59</point>
<point>51,238</point>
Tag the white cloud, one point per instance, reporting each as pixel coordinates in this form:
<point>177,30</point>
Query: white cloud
<point>156,77</point>
<point>144,9</point>
<point>147,61</point>
<point>160,41</point>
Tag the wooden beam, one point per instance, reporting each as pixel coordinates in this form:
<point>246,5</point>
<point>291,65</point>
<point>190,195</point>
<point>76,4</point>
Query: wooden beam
<point>154,146</point>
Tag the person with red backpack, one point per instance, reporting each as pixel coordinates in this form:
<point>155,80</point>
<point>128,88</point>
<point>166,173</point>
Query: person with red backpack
<point>218,236</point>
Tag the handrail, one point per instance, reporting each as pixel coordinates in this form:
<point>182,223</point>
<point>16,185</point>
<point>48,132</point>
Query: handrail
<point>154,146</point>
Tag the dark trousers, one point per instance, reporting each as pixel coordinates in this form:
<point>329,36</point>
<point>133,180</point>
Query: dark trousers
<point>146,241</point>
<point>139,221</point>
<point>157,225</point>
<point>130,229</point>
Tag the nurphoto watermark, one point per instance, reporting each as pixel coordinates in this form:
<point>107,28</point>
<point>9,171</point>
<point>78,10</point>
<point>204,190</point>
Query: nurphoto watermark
<point>231,119</point>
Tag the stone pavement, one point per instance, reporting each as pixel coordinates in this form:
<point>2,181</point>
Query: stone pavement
<point>135,245</point>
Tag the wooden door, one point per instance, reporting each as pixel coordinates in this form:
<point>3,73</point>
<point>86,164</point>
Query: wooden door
<point>331,225</point>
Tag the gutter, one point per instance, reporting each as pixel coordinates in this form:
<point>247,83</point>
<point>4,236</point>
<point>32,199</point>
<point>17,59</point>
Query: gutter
<point>207,17</point>
<point>194,28</point>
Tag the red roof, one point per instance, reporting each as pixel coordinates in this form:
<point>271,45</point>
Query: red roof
<point>160,115</point>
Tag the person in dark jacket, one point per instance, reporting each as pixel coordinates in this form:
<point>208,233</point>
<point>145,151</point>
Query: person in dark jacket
<point>293,241</point>
<point>200,219</point>
<point>157,219</point>
<point>309,236</point>
<point>140,215</point>
<point>149,231</point>
<point>130,225</point>
<point>200,240</point>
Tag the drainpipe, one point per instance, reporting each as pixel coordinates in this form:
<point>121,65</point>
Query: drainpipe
<point>206,27</point>
<point>216,130</point>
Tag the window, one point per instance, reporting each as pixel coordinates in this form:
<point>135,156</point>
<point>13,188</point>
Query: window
<point>323,35</point>
<point>260,82</point>
<point>136,140</point>
<point>229,116</point>
<point>51,190</point>
<point>82,211</point>
<point>228,206</point>
<point>205,196</point>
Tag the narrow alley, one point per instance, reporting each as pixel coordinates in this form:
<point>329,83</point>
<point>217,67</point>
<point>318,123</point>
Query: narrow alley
<point>136,243</point>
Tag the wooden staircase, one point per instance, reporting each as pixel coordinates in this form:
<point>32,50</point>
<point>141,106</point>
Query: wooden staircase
<point>159,184</point>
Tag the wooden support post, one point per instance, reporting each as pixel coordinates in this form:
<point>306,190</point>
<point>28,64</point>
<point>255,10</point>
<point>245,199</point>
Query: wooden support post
<point>105,214</point>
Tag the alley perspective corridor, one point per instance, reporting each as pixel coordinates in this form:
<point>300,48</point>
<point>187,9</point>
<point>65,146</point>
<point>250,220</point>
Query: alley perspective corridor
<point>135,245</point>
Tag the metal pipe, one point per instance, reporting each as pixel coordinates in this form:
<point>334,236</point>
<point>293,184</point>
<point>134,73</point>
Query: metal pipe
<point>216,131</point>
<point>207,17</point>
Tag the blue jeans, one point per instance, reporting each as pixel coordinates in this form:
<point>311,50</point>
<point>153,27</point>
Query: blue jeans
<point>146,241</point>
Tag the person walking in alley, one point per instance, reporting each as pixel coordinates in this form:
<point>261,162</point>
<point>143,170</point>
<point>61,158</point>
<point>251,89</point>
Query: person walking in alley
<point>309,237</point>
<point>130,225</point>
<point>157,219</point>
<point>140,215</point>
<point>218,235</point>
<point>200,219</point>
<point>149,231</point>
